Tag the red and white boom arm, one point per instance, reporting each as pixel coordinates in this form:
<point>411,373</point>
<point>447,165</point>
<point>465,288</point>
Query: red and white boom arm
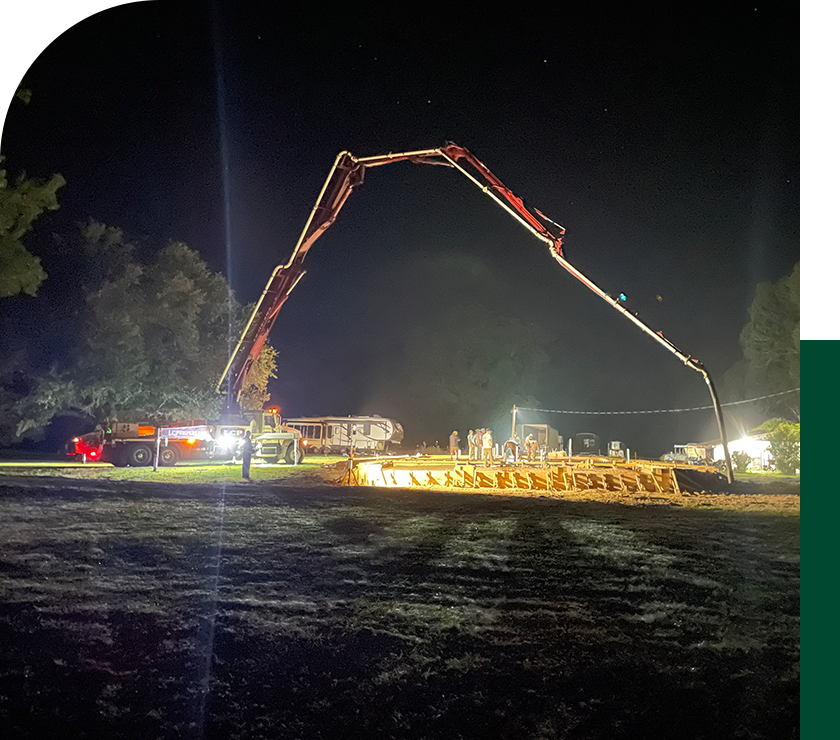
<point>347,173</point>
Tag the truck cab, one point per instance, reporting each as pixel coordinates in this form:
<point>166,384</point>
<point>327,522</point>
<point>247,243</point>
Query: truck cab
<point>692,454</point>
<point>273,440</point>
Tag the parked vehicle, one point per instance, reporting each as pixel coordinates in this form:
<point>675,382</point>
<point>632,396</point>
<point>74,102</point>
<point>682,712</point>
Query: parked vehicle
<point>692,453</point>
<point>345,434</point>
<point>616,448</point>
<point>129,443</point>
<point>586,443</point>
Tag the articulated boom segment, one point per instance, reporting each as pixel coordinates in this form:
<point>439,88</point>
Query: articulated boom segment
<point>348,172</point>
<point>344,176</point>
<point>250,344</point>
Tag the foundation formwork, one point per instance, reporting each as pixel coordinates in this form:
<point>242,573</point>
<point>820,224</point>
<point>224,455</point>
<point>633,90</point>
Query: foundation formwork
<point>569,474</point>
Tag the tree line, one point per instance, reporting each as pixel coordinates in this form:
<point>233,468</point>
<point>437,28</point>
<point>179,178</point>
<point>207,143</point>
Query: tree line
<point>137,337</point>
<point>770,349</point>
<point>770,365</point>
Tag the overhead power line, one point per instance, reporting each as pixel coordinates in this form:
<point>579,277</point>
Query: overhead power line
<point>659,411</point>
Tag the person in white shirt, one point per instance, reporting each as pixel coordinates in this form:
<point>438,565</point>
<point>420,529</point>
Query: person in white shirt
<point>487,446</point>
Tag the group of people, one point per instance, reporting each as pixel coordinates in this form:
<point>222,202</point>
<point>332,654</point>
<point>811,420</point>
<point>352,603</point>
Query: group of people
<point>514,450</point>
<point>480,443</point>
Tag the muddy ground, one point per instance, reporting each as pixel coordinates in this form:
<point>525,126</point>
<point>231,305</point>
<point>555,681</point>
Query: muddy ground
<point>299,610</point>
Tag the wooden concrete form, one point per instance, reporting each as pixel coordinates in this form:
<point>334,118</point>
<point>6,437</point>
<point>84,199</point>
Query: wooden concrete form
<point>570,474</point>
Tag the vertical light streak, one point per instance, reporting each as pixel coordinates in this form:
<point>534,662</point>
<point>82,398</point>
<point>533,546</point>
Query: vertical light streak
<point>224,158</point>
<point>209,646</point>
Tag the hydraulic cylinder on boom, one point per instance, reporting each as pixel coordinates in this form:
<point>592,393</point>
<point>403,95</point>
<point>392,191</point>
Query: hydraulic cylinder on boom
<point>347,173</point>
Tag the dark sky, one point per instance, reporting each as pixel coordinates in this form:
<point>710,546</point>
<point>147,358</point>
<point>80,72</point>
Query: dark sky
<point>663,138</point>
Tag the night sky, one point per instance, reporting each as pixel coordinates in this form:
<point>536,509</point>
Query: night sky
<point>665,139</point>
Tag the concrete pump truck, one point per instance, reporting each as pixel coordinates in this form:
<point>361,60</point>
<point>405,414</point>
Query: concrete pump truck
<point>347,173</point>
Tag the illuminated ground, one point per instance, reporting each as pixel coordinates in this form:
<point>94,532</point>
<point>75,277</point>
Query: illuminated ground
<point>278,610</point>
<point>754,492</point>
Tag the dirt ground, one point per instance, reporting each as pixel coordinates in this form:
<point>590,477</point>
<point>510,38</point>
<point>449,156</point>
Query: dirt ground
<point>300,610</point>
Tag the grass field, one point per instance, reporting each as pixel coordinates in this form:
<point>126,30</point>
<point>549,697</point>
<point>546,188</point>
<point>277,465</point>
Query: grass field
<point>215,472</point>
<point>144,610</point>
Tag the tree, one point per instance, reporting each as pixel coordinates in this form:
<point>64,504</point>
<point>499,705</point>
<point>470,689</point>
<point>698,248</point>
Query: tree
<point>741,461</point>
<point>152,339</point>
<point>20,270</point>
<point>20,206</point>
<point>770,341</point>
<point>255,393</point>
<point>24,94</point>
<point>784,444</point>
<point>99,250</point>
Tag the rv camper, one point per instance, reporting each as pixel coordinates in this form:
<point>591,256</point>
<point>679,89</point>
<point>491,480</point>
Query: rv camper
<point>342,435</point>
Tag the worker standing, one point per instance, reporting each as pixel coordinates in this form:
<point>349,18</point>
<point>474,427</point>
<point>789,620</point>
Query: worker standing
<point>487,446</point>
<point>471,443</point>
<point>530,447</point>
<point>454,445</point>
<point>247,452</point>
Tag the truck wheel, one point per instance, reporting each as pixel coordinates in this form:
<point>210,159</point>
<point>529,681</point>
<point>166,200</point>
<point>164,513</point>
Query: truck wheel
<point>168,456</point>
<point>290,455</point>
<point>140,455</point>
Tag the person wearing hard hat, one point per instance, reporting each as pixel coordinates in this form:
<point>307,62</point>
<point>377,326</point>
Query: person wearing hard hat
<point>454,449</point>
